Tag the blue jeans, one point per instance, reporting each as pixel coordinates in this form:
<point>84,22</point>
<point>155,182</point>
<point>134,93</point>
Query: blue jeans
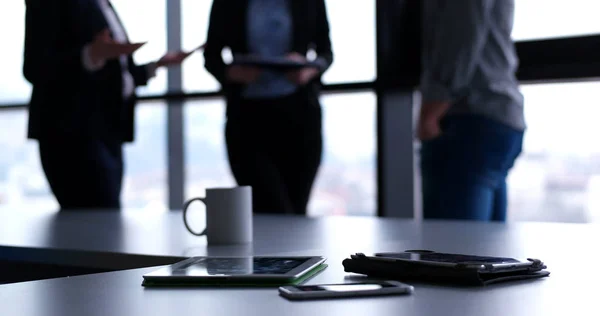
<point>464,170</point>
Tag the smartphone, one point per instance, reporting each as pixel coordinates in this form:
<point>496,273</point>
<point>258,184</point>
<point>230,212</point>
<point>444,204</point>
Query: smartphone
<point>482,263</point>
<point>321,291</point>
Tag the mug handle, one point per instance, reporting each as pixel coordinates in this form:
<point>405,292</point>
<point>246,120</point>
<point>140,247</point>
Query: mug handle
<point>185,221</point>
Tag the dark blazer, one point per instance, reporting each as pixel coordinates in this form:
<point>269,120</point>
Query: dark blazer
<point>68,101</point>
<point>228,28</point>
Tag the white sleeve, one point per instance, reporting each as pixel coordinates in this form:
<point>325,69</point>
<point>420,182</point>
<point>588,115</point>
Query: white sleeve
<point>87,62</point>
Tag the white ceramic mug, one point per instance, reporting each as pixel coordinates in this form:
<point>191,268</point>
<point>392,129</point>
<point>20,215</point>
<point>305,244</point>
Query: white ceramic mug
<point>228,216</point>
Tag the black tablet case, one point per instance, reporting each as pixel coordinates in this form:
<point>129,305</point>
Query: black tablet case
<point>280,64</point>
<point>415,271</point>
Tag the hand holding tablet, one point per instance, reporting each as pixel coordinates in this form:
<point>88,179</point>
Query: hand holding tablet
<point>283,63</point>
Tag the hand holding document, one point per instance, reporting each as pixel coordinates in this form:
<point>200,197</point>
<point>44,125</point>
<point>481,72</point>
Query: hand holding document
<point>104,47</point>
<point>176,58</point>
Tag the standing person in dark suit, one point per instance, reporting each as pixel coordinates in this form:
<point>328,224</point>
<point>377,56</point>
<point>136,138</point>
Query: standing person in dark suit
<point>78,59</point>
<point>273,130</point>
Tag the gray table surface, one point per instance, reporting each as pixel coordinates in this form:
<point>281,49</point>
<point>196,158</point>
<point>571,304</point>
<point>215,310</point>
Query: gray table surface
<point>569,250</point>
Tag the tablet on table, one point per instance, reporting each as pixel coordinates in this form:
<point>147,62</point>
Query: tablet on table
<point>251,271</point>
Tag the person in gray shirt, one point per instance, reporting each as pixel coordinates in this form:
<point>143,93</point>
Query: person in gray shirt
<point>471,120</point>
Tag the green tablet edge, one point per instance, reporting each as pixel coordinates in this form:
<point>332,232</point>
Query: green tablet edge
<point>250,283</point>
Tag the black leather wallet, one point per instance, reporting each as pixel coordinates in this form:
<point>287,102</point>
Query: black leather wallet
<point>469,273</point>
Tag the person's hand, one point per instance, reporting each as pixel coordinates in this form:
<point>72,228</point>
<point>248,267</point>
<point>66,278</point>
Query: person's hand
<point>428,129</point>
<point>103,47</point>
<point>294,56</point>
<point>173,58</point>
<point>431,114</point>
<point>242,74</point>
<point>301,76</point>
<point>176,58</point>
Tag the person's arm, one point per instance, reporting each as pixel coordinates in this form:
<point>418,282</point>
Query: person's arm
<point>323,41</point>
<point>45,59</point>
<point>461,29</point>
<point>89,63</point>
<point>50,57</point>
<point>322,47</point>
<point>142,73</point>
<point>215,41</point>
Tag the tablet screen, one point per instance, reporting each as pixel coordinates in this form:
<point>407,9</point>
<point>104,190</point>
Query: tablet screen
<point>237,266</point>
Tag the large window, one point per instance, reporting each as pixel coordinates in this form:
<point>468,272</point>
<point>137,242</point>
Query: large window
<point>145,181</point>
<point>352,26</point>
<point>557,176</point>
<point>349,119</point>
<point>205,156</point>
<point>13,87</point>
<point>148,25</point>
<point>345,184</point>
<point>539,19</point>
<point>194,29</point>
<point>346,181</point>
<point>22,181</point>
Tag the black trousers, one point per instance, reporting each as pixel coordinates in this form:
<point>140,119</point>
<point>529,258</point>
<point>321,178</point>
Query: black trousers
<point>275,146</point>
<point>83,174</point>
